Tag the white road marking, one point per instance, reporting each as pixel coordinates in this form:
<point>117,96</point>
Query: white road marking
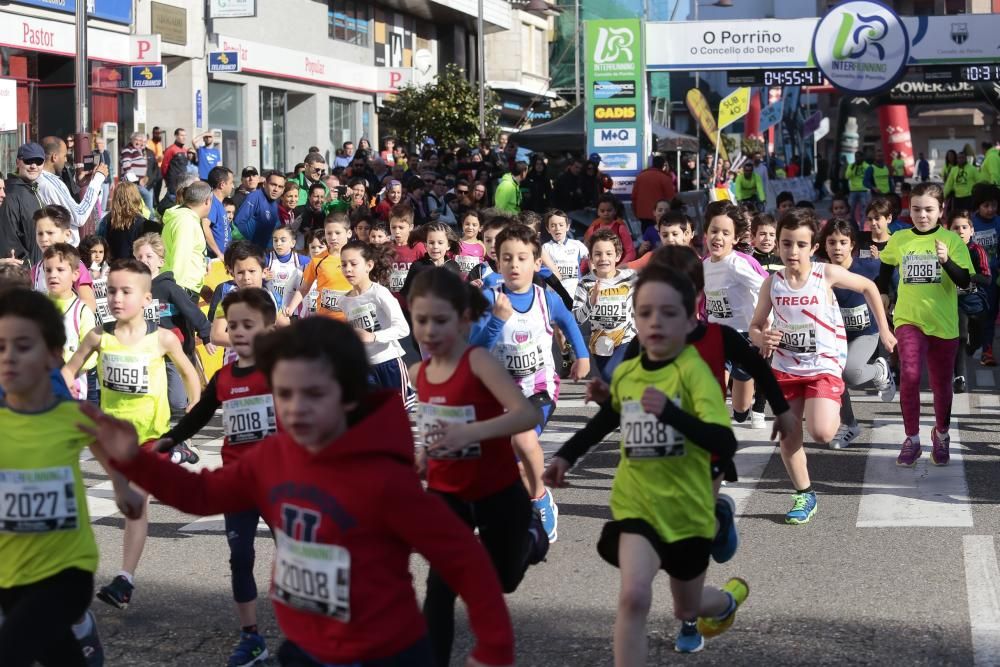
<point>750,464</point>
<point>982,583</point>
<point>924,495</point>
<point>101,501</point>
<point>214,523</point>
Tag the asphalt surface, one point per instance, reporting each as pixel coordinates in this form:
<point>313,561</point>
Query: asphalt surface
<point>885,574</point>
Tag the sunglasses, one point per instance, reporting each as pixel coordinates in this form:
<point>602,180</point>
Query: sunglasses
<point>462,191</point>
<point>35,161</point>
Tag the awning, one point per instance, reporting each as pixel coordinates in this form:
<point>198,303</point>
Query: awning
<point>565,133</point>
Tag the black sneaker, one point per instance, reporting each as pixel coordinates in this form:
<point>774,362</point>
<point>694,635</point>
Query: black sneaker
<point>183,453</point>
<point>118,593</point>
<point>93,652</point>
<point>539,548</point>
<point>959,385</point>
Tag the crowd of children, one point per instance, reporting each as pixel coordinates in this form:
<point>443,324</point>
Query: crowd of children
<point>321,413</point>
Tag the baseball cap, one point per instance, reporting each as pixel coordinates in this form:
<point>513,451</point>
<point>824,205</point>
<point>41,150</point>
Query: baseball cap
<point>250,171</point>
<point>30,151</point>
<point>595,158</point>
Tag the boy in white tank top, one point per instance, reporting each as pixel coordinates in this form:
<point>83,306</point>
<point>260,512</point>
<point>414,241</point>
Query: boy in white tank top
<point>809,342</point>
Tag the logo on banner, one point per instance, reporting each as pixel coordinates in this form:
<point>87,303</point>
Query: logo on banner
<point>614,45</point>
<point>620,161</point>
<point>959,32</point>
<point>614,137</point>
<point>611,113</point>
<point>861,46</point>
<point>609,90</point>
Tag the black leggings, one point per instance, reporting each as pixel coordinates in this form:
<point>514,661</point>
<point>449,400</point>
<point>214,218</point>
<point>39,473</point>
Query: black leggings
<point>503,520</point>
<point>39,617</point>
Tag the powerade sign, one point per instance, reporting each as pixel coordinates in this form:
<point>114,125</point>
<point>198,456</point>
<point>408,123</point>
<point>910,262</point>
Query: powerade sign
<point>609,90</point>
<point>861,47</point>
<point>608,137</point>
<point>116,11</point>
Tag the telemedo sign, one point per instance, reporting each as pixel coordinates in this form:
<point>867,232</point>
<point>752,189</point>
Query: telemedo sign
<point>861,47</point>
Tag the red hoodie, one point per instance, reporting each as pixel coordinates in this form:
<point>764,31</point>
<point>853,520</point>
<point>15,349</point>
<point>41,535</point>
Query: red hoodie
<point>358,507</point>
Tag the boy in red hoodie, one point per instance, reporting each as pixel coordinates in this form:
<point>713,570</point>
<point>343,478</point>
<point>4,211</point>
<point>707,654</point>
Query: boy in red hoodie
<point>339,491</point>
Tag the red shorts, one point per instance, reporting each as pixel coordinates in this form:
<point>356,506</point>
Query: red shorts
<point>823,385</point>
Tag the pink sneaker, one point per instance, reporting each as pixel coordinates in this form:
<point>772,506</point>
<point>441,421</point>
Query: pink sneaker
<point>940,442</point>
<point>909,454</point>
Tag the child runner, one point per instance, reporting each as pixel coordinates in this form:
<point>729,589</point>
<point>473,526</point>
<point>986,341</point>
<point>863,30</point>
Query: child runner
<point>316,245</point>
<point>248,416</point>
<point>245,263</point>
<point>130,353</point>
<point>672,419</point>
<point>839,208</point>
<point>95,255</point>
<point>732,283</point>
<point>973,302</point>
<point>379,234</point>
<point>985,223</point>
<point>61,264</point>
<point>878,215</point>
<point>836,245</point>
<point>610,216</point>
<point>284,266</point>
<point>53,224</point>
<point>325,273</point>
<point>471,249</point>
<point>933,264</point>
<point>763,235</point>
<point>650,237</point>
<point>568,254</point>
<point>375,314</point>
<point>337,486</point>
<point>486,275</point>
<point>809,343</point>
<point>362,229</point>
<point>604,298</point>
<point>518,331</point>
<point>401,226</point>
<point>469,408</point>
<point>50,556</point>
<point>784,202</point>
<point>440,241</point>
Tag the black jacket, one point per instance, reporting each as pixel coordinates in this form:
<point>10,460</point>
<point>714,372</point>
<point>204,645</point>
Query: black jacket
<point>177,310</point>
<point>17,228</point>
<point>309,218</point>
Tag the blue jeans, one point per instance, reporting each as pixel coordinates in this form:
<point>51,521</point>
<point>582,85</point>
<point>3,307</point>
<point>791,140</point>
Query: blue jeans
<point>856,201</point>
<point>147,197</point>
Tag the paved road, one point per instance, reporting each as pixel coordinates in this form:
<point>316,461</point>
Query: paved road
<point>899,566</point>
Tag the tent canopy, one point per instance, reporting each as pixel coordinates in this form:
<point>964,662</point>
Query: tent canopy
<point>671,140</point>
<point>566,133</point>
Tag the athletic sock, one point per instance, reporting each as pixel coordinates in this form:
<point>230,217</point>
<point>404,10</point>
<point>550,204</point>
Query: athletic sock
<point>128,577</point>
<point>730,608</point>
<point>808,489</point>
<point>915,439</point>
<point>250,629</point>
<point>740,417</point>
<point>84,627</point>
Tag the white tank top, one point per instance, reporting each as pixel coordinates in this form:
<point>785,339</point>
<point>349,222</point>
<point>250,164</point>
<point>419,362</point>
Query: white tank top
<point>525,347</point>
<point>813,338</point>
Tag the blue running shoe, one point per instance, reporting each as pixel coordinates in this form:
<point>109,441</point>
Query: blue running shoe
<point>546,506</point>
<point>802,510</point>
<point>93,652</point>
<point>689,640</point>
<point>727,540</point>
<point>249,651</point>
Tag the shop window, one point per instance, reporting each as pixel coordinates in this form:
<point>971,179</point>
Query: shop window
<point>273,107</point>
<point>348,21</point>
<point>342,122</point>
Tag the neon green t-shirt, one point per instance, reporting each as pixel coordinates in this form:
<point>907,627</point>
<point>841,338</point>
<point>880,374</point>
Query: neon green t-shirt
<point>44,523</point>
<point>927,299</point>
<point>134,382</point>
<point>664,478</point>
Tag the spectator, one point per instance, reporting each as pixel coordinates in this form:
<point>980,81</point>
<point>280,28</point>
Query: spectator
<point>688,174</point>
<point>125,222</point>
<point>217,228</point>
<point>101,150</point>
<point>345,159</point>
<point>192,162</point>
<point>507,197</point>
<point>53,191</point>
<point>17,226</point>
<point>315,170</point>
<point>258,216</point>
<point>134,160</point>
<point>924,168</point>
<point>536,189</point>
<point>568,191</point>
<point>209,156</point>
<point>180,138</point>
<point>156,145</point>
<point>183,238</point>
<point>249,179</point>
<point>310,216</point>
<point>590,181</point>
<point>67,172</point>
<point>388,153</point>
<point>393,195</point>
<point>651,185</point>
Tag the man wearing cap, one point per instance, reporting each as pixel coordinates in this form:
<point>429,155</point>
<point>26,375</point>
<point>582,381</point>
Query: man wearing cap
<point>249,179</point>
<point>313,174</point>
<point>17,228</point>
<point>209,156</point>
<point>52,189</point>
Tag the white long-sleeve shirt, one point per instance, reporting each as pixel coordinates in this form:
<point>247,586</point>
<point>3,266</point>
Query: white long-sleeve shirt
<point>53,191</point>
<point>378,311</point>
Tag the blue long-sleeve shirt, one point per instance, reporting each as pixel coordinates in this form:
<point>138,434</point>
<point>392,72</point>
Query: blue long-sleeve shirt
<point>257,218</point>
<point>487,331</point>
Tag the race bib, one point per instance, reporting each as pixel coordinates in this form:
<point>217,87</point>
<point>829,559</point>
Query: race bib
<point>125,373</point>
<point>717,304</point>
<point>921,269</point>
<point>364,317</point>
<point>151,313</point>
<point>37,501</point>
<point>568,271</point>
<point>330,299</point>
<point>248,419</point>
<point>646,437</point>
<point>520,359</point>
<point>432,416</point>
<point>313,300</point>
<point>988,239</point>
<point>857,318</point>
<point>609,312</point>
<point>465,262</point>
<point>101,294</point>
<point>798,338</point>
<point>312,577</point>
<point>398,277</point>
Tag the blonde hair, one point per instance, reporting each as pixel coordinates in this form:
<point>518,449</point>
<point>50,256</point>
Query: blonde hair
<point>125,206</point>
<point>153,240</point>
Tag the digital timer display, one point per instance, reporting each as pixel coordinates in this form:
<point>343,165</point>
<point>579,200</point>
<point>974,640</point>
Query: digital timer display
<point>776,77</point>
<point>979,73</point>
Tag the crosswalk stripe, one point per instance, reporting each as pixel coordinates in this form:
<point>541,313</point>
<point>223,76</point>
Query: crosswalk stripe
<point>214,523</point>
<point>985,378</point>
<point>982,583</point>
<point>925,495</point>
<point>101,501</point>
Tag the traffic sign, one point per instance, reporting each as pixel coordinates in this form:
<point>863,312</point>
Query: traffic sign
<point>224,61</point>
<point>148,76</point>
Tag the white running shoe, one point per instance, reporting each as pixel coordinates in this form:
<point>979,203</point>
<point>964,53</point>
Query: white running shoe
<point>845,435</point>
<point>757,420</point>
<point>884,382</point>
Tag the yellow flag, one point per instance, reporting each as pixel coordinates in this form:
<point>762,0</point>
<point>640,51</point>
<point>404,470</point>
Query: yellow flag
<point>698,106</point>
<point>734,106</point>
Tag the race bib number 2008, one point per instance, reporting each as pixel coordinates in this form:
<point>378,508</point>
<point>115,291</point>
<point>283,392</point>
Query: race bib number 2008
<point>313,577</point>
